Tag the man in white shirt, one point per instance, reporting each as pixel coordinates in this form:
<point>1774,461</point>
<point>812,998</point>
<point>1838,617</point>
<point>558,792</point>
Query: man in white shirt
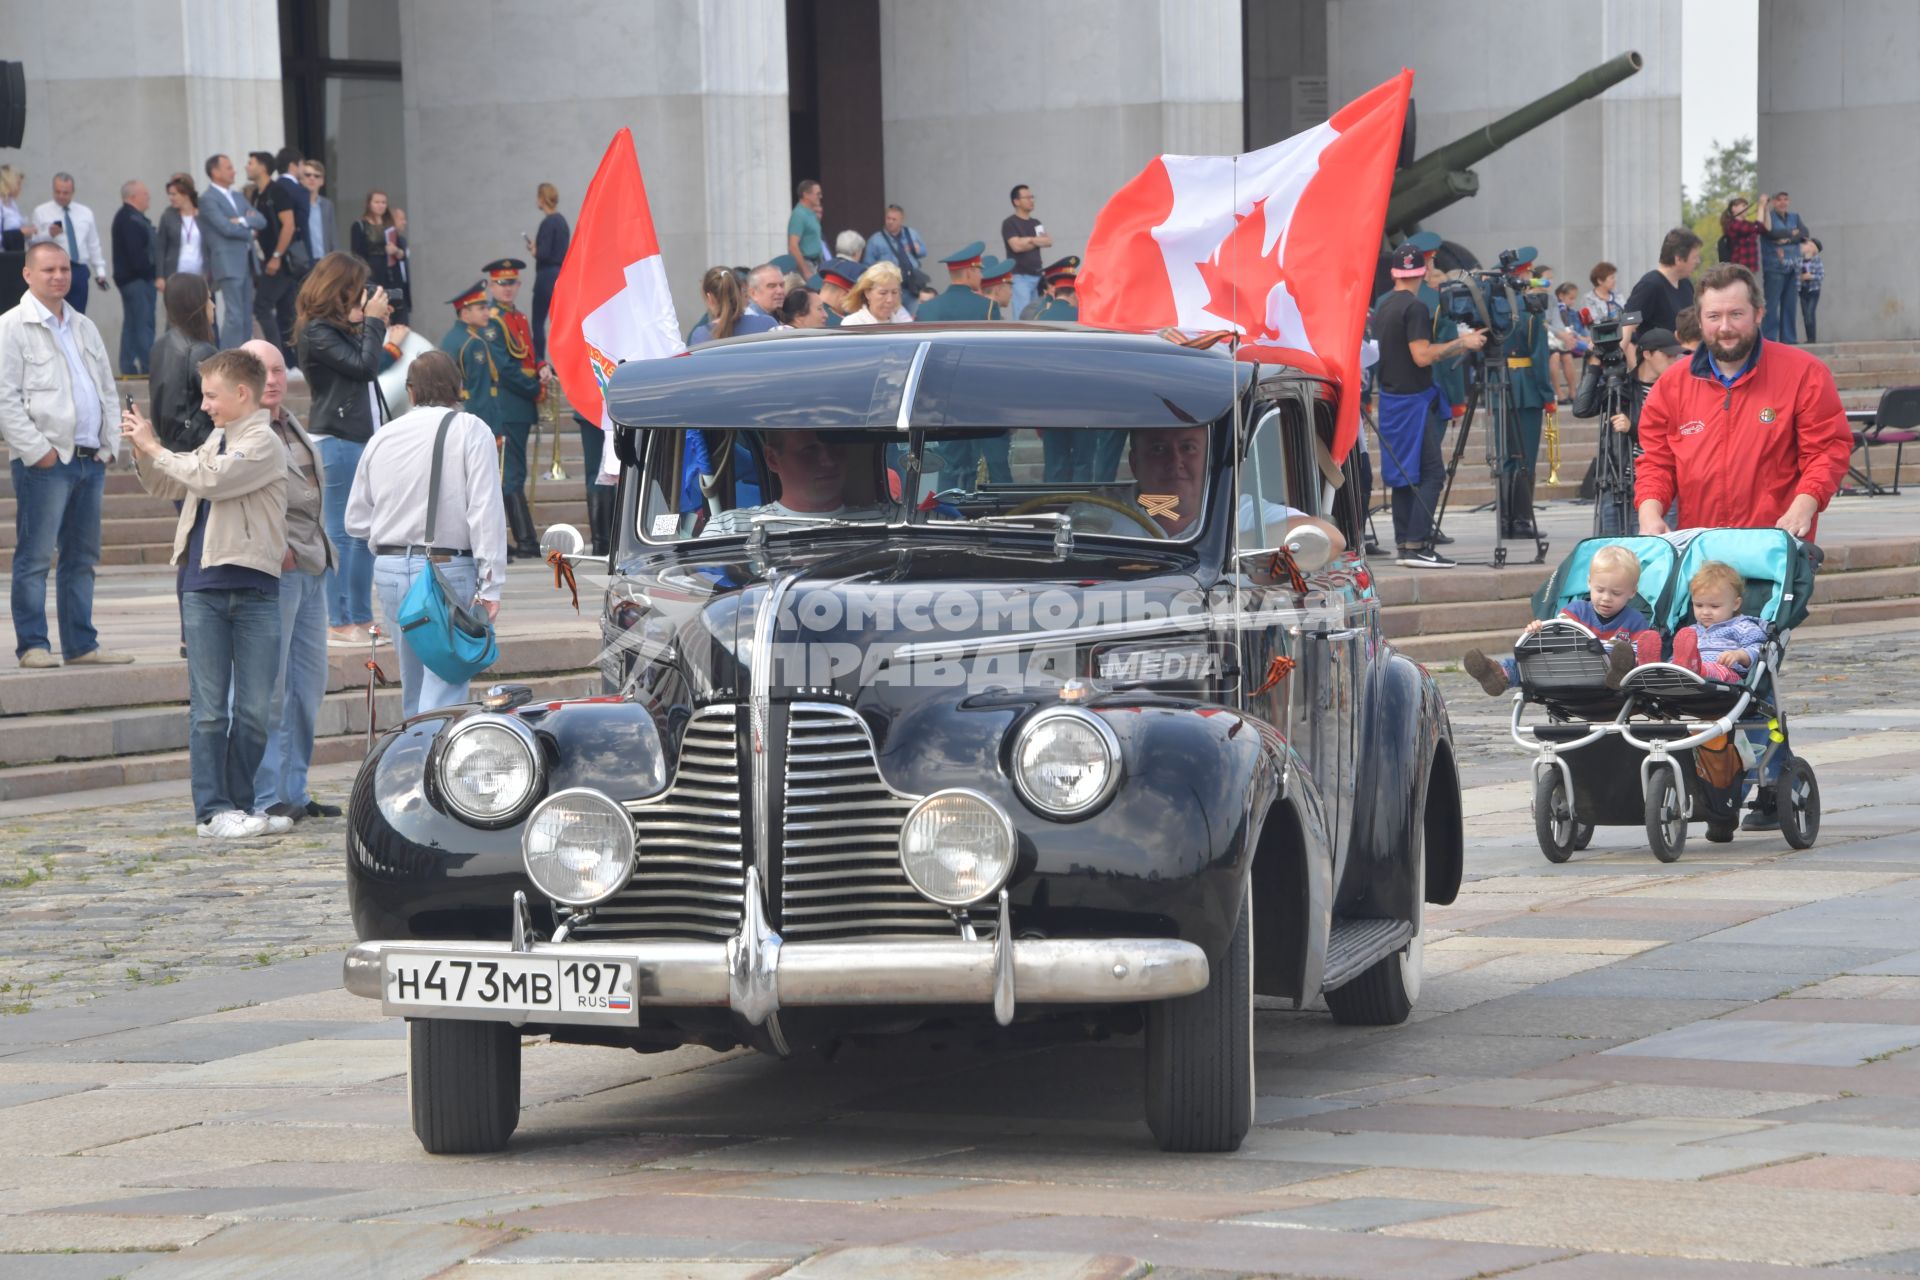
<point>57,414</point>
<point>71,225</point>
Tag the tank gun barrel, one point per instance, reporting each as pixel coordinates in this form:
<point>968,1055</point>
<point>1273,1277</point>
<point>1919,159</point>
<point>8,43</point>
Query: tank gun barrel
<point>1442,176</point>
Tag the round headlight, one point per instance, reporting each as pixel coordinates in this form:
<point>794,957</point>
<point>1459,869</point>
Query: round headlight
<point>489,769</point>
<point>1066,761</point>
<point>956,847</point>
<point>578,846</point>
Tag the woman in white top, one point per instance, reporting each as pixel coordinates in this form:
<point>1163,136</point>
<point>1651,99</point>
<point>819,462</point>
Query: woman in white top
<point>15,230</point>
<point>388,508</point>
<point>180,247</point>
<point>875,297</point>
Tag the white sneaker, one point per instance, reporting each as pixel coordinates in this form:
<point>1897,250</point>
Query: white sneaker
<point>231,824</point>
<point>273,824</point>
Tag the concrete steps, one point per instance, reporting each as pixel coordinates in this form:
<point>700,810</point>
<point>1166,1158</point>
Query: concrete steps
<point>81,729</point>
<point>1438,615</point>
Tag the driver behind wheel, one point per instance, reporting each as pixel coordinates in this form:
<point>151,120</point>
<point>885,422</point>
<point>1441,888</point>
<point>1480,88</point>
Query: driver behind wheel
<point>815,482</point>
<point>1170,475</point>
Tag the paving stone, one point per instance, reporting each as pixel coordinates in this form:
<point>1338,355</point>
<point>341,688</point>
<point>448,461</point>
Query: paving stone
<point>320,1251</point>
<point>1362,1213</point>
<point>1484,1122</point>
<point>1830,1139</point>
<point>1878,1175</point>
<point>97,1233</point>
<point>1899,1113</point>
<point>848,1187</point>
<point>1895,1012</point>
<point>200,1202</point>
<point>72,1266</point>
<point>1904,1263</point>
<point>588,1247</point>
<point>1826,1044</point>
<point>1583,1017</point>
<point>317,1063</point>
<point>185,1043</point>
<point>1628,1266</point>
<point>993,1264</point>
<point>1680,1100</point>
<point>1907,965</point>
<point>1640,982</point>
<point>1668,1130</point>
<point>1717,956</point>
<point>646,1269</point>
<point>1536,1155</point>
<point>1270,1109</point>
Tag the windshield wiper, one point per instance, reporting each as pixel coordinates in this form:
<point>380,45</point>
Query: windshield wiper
<point>1061,521</point>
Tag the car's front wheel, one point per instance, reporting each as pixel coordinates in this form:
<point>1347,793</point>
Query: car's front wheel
<point>463,1084</point>
<point>1200,1055</point>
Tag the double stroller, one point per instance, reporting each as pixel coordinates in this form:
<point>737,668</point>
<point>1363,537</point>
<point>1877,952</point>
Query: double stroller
<point>1668,747</point>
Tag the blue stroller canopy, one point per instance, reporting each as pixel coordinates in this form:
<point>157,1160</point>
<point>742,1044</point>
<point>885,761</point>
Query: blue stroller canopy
<point>1659,577</point>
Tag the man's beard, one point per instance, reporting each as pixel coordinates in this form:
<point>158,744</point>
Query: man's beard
<point>1737,352</point>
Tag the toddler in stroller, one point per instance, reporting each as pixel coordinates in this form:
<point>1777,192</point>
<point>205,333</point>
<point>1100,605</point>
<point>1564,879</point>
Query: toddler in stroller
<point>1613,579</point>
<point>1671,742</point>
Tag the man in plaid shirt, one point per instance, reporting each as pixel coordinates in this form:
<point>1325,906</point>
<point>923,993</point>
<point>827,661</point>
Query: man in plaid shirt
<point>1742,234</point>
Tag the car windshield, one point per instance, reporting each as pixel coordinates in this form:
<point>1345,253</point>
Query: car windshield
<point>1148,484</point>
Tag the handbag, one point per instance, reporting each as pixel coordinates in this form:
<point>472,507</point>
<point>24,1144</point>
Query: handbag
<point>452,640</point>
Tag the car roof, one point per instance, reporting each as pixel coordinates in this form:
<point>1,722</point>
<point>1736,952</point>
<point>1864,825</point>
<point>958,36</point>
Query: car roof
<point>896,377</point>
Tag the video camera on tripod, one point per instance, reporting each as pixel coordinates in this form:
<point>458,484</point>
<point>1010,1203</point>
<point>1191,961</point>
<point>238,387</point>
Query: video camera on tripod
<point>1613,461</point>
<point>1493,300</point>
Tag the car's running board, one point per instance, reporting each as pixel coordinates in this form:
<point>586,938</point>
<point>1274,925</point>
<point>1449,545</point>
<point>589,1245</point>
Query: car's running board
<point>1354,945</point>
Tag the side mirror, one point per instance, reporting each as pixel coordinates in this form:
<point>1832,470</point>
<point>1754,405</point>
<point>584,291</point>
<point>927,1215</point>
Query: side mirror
<point>1310,548</point>
<point>563,538</point>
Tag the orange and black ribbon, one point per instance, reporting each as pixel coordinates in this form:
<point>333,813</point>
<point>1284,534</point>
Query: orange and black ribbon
<point>1282,566</point>
<point>1277,670</point>
<point>563,575</point>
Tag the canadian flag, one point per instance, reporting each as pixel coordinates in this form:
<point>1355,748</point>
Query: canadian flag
<point>611,302</point>
<point>1278,245</point>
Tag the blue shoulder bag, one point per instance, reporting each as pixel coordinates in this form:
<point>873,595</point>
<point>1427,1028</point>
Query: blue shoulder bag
<point>452,640</point>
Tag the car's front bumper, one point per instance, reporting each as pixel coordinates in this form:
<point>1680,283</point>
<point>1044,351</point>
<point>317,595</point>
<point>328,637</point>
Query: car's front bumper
<point>755,974</point>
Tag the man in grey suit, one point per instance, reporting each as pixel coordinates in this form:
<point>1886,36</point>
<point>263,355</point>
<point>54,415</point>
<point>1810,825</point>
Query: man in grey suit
<point>227,223</point>
<point>320,235</point>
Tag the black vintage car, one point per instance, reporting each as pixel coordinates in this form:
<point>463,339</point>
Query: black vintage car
<point>951,673</point>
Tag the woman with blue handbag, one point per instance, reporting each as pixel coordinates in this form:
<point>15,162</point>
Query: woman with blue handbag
<point>426,497</point>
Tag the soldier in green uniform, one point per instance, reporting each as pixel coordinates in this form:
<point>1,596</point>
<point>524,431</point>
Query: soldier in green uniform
<point>467,343</point>
<point>962,299</point>
<point>1058,302</point>
<point>996,283</point>
<point>1527,374</point>
<point>836,276</point>
<point>520,383</point>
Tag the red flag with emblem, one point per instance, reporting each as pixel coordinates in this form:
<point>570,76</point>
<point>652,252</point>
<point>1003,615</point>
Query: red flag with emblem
<point>1278,245</point>
<point>611,302</point>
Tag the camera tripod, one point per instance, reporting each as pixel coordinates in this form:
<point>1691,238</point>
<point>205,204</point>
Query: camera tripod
<point>1494,386</point>
<point>1613,468</point>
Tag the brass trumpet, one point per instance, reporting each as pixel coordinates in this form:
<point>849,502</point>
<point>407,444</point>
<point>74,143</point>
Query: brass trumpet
<point>1550,432</point>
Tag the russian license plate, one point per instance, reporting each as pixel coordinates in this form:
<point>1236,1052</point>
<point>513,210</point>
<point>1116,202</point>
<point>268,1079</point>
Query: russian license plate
<point>573,989</point>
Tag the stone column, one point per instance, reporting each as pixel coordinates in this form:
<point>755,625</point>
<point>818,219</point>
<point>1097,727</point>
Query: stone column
<point>1072,97</point>
<point>497,102</point>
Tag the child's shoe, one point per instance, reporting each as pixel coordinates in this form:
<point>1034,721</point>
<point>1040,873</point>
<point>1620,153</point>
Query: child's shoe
<point>1620,658</point>
<point>1492,677</point>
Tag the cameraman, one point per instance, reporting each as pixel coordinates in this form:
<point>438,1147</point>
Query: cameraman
<point>1413,411</point>
<point>1658,350</point>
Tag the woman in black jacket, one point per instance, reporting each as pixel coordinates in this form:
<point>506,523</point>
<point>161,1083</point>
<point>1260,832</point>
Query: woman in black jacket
<point>549,249</point>
<point>173,383</point>
<point>340,331</point>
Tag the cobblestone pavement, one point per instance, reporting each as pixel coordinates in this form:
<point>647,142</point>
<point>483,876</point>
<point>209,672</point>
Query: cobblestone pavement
<point>1616,1065</point>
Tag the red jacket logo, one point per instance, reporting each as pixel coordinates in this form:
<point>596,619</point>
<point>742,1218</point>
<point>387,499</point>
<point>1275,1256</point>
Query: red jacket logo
<point>1693,428</point>
<point>1766,415</point>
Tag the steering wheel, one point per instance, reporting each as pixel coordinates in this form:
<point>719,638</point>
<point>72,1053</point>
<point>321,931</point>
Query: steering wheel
<point>1139,517</point>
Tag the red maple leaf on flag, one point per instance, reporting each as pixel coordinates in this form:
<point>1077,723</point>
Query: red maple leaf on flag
<point>1240,277</point>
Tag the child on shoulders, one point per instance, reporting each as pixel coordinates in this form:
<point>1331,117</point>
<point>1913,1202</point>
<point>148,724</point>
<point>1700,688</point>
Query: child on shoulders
<point>1613,576</point>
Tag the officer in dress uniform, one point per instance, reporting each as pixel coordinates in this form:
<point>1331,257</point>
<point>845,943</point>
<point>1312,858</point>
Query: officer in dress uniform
<point>467,343</point>
<point>1058,302</point>
<point>835,277</point>
<point>521,376</point>
<point>996,283</point>
<point>961,300</point>
<point>1527,374</point>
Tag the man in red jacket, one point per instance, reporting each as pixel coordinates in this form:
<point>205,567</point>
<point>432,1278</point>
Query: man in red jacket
<point>1748,433</point>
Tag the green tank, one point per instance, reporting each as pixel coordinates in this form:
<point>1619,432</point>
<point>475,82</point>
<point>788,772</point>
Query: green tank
<point>1442,176</point>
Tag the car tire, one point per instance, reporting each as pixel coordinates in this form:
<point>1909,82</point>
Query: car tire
<point>1386,992</point>
<point>1200,1055</point>
<point>463,1084</point>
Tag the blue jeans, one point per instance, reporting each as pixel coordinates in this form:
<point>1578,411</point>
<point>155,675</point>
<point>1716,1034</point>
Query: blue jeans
<point>233,653</point>
<point>1809,305</point>
<point>420,689</point>
<point>350,585</point>
<point>236,311</point>
<point>298,686</point>
<point>1024,289</point>
<point>137,299</point>
<point>56,508</point>
<point>1783,288</point>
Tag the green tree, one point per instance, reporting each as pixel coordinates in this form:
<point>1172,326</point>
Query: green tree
<point>1730,172</point>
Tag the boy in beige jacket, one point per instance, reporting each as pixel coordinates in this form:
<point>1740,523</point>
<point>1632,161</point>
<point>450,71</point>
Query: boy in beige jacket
<point>230,542</point>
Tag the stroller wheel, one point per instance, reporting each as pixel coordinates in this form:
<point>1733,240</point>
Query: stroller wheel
<point>1666,817</point>
<point>1797,798</point>
<point>1582,835</point>
<point>1553,821</point>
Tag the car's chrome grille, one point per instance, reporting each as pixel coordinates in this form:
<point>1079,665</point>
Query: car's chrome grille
<point>689,880</point>
<point>840,876</point>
